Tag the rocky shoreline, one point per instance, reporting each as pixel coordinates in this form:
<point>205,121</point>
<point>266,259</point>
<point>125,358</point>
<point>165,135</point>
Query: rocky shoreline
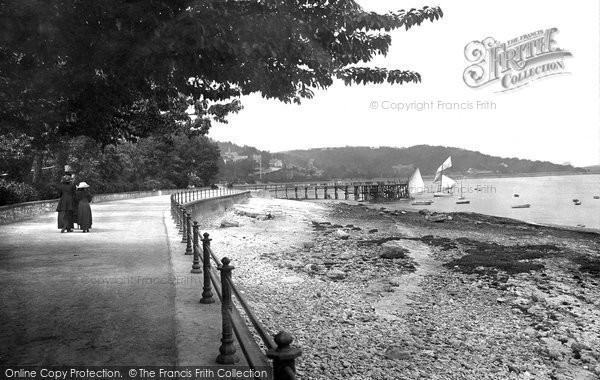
<point>371,293</point>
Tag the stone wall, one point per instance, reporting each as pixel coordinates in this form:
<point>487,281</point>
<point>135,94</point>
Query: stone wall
<point>204,207</point>
<point>21,211</point>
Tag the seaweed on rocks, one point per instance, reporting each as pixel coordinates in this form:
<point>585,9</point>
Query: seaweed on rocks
<point>485,257</point>
<point>384,240</point>
<point>444,243</point>
<point>588,264</point>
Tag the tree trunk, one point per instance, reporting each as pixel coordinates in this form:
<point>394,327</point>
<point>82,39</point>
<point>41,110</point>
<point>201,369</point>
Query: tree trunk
<point>62,158</point>
<point>38,161</point>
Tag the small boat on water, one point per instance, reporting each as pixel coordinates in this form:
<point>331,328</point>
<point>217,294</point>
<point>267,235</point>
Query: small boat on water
<point>422,203</point>
<point>575,200</point>
<point>577,203</point>
<point>526,205</point>
<point>516,195</point>
<point>596,196</point>
<point>461,200</point>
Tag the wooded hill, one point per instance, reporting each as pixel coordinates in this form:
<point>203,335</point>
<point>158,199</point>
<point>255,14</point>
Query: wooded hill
<point>366,162</point>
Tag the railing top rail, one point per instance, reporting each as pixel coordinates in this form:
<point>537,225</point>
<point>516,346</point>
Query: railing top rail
<point>260,329</point>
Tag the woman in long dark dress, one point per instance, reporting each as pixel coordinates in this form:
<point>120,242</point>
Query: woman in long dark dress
<point>84,211</point>
<point>66,204</point>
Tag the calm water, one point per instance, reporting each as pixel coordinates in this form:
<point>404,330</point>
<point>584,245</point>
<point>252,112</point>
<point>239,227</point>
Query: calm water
<point>551,199</point>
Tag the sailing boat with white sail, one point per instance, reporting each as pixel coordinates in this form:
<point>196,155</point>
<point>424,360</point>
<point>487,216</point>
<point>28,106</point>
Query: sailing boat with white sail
<point>417,186</point>
<point>445,183</point>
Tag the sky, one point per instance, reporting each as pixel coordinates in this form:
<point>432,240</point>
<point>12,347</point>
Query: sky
<point>554,119</point>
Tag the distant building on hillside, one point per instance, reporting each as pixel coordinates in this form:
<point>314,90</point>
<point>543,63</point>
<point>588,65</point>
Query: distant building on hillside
<point>275,163</point>
<point>232,156</point>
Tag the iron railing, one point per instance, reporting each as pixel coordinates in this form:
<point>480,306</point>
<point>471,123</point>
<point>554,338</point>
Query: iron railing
<point>278,347</point>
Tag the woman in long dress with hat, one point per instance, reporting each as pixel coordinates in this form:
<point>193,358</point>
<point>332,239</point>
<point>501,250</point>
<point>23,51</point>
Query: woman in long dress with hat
<point>84,211</point>
<point>66,204</point>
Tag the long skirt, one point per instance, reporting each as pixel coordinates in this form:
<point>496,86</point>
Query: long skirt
<point>65,219</point>
<point>84,215</point>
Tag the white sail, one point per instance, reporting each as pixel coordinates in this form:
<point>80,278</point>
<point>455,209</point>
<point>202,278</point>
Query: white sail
<point>447,164</point>
<point>447,182</point>
<point>416,184</point>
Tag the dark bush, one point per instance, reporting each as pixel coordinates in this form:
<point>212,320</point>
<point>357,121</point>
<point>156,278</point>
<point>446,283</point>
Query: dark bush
<point>16,192</point>
<point>157,184</point>
<point>46,190</point>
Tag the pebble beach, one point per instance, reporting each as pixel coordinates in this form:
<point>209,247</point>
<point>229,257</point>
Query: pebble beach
<point>373,293</point>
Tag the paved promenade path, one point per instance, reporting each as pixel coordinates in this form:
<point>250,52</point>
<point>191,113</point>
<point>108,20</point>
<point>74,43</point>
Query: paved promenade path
<point>104,297</point>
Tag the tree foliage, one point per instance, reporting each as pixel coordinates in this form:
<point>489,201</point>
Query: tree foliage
<point>154,162</point>
<point>116,70</point>
<point>172,161</point>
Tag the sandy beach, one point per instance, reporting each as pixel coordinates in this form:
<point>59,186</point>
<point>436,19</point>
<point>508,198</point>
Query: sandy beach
<point>370,293</point>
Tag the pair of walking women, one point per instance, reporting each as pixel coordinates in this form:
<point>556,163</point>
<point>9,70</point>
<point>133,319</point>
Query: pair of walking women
<point>74,205</point>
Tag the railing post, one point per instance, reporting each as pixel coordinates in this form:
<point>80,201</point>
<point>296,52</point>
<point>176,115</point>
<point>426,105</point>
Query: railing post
<point>325,197</point>
<point>296,191</point>
<point>196,263</point>
<point>173,207</point>
<point>227,350</point>
<point>183,225</point>
<point>180,219</point>
<point>346,193</point>
<point>284,357</point>
<point>305,192</point>
<point>207,296</point>
<point>188,235</point>
<point>316,191</point>
<point>286,196</point>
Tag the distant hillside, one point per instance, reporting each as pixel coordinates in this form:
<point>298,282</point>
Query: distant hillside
<point>365,162</point>
<point>593,168</point>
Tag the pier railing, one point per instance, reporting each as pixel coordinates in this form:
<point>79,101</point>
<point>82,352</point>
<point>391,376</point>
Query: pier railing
<point>278,347</point>
<point>358,191</point>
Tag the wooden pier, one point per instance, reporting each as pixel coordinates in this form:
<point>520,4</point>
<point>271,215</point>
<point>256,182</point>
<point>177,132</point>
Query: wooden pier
<point>363,191</point>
